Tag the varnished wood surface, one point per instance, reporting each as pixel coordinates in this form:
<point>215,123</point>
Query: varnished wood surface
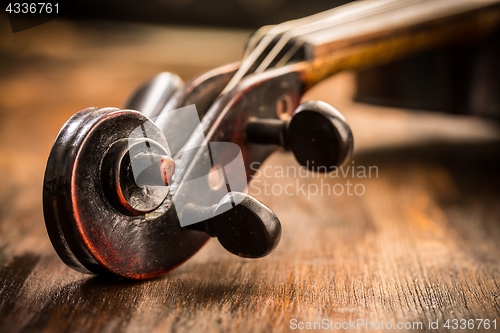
<point>422,243</point>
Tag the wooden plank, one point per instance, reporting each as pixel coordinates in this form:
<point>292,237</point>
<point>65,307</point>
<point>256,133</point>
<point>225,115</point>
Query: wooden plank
<point>421,243</point>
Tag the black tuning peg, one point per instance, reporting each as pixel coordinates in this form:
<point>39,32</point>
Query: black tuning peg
<point>243,225</point>
<point>316,133</point>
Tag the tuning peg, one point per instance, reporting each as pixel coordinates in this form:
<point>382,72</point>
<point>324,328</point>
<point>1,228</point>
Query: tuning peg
<point>152,96</point>
<point>243,225</point>
<point>316,133</point>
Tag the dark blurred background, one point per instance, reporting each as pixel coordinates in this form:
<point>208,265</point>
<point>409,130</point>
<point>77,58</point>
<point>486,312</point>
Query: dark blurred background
<point>222,13</point>
<point>227,13</point>
<point>444,80</point>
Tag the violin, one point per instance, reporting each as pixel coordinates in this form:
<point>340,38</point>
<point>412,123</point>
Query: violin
<point>135,192</point>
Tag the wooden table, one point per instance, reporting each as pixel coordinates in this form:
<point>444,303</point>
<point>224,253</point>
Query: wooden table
<point>420,245</point>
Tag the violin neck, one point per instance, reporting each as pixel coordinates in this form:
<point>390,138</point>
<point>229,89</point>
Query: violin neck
<point>384,31</point>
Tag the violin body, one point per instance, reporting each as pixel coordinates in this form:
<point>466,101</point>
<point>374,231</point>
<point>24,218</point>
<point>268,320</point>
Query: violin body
<point>135,192</point>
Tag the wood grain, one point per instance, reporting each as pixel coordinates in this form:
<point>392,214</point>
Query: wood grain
<point>420,245</point>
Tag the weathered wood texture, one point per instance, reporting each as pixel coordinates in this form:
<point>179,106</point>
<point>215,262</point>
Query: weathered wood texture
<point>421,244</point>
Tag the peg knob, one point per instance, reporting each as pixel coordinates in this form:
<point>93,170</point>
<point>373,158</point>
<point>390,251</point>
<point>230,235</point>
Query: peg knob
<point>243,225</point>
<point>317,134</point>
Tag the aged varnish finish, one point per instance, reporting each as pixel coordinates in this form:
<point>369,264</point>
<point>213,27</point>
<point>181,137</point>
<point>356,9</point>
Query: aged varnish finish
<point>421,244</point>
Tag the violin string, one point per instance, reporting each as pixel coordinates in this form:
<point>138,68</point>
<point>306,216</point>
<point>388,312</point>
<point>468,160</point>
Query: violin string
<point>310,23</point>
<point>438,7</point>
<point>290,53</point>
<point>275,31</point>
<point>333,21</point>
<point>255,38</point>
<point>267,30</point>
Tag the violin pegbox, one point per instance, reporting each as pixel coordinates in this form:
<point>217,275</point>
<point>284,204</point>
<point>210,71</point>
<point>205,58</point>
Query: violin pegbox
<point>109,207</point>
<point>113,204</point>
<point>317,134</point>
